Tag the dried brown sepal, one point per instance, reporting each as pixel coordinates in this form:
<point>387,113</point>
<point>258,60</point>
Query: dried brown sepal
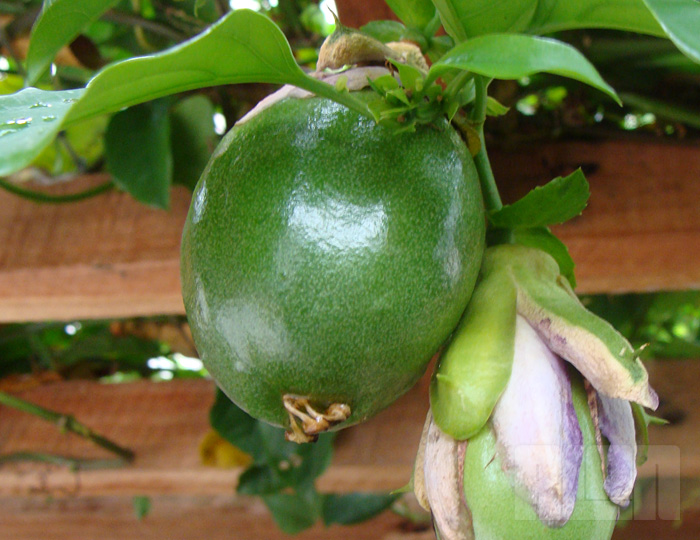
<point>306,423</point>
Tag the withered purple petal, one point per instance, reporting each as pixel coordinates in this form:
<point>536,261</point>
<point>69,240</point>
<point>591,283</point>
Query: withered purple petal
<point>617,425</point>
<point>537,431</point>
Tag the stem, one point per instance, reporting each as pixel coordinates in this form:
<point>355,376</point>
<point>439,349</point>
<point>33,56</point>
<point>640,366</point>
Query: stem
<point>129,19</point>
<point>64,461</point>
<point>39,197</point>
<point>492,199</point>
<point>66,422</point>
<point>323,89</point>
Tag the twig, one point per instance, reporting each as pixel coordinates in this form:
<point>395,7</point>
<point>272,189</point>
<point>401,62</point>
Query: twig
<point>64,422</point>
<point>121,17</point>
<point>39,197</point>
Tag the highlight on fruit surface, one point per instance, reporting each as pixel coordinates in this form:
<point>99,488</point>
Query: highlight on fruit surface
<point>541,392</point>
<point>326,258</point>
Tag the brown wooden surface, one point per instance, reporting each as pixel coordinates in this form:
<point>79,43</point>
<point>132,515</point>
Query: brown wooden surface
<point>164,423</point>
<point>112,257</point>
<point>230,518</point>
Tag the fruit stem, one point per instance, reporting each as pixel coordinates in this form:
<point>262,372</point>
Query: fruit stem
<point>492,199</point>
<point>323,89</point>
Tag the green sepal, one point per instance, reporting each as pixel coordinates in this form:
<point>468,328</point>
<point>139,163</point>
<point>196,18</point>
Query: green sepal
<point>475,367</point>
<point>590,343</point>
<point>642,420</point>
<point>498,510</point>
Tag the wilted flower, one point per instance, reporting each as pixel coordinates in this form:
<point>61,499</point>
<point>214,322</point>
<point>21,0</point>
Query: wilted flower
<point>519,444</point>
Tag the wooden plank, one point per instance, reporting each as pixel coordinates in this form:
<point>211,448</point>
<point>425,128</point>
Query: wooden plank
<point>641,230</point>
<point>229,517</point>
<point>164,423</point>
<point>113,257</point>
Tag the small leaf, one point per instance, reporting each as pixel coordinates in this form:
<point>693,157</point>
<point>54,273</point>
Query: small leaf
<point>137,148</point>
<point>542,238</point>
<point>142,506</point>
<point>556,202</point>
<point>192,138</point>
<point>351,508</point>
<point>512,56</point>
<point>294,512</point>
<point>59,22</point>
<point>386,31</point>
<point>419,14</point>
<point>495,108</point>
<point>680,19</point>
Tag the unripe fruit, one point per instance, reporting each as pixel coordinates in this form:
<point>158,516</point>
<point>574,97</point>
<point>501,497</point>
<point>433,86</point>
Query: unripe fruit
<point>325,259</point>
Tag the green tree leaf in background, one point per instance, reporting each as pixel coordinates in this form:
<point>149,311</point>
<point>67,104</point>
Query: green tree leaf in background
<point>244,46</point>
<point>512,56</point>
<point>680,20</point>
<point>294,512</point>
<point>556,202</point>
<point>59,22</point>
<point>192,138</point>
<point>137,148</point>
<point>464,20</point>
<point>351,508</point>
<point>419,14</point>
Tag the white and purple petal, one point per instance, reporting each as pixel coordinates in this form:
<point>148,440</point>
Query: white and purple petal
<point>617,425</point>
<point>537,431</point>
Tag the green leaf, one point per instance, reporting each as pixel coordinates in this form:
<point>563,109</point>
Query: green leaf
<point>464,20</point>
<point>137,148</point>
<point>512,56</point>
<point>294,512</point>
<point>244,46</point>
<point>259,480</point>
<point>495,107</point>
<point>386,31</point>
<point>235,425</point>
<point>556,202</point>
<point>142,506</point>
<point>192,138</point>
<point>680,19</point>
<point>59,22</point>
<point>351,508</point>
<point>542,238</point>
<point>29,121</point>
<point>419,14</point>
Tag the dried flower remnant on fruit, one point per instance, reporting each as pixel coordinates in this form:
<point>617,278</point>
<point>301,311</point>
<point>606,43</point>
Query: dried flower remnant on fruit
<point>306,423</point>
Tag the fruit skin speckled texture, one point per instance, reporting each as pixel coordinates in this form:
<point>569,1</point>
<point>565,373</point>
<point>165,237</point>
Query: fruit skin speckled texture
<point>324,256</point>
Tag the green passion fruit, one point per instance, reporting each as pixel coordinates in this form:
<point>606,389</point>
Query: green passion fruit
<point>325,259</point>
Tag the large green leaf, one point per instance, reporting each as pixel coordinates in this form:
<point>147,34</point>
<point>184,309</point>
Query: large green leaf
<point>466,19</point>
<point>512,56</point>
<point>351,508</point>
<point>59,22</point>
<point>137,148</point>
<point>680,20</point>
<point>244,46</point>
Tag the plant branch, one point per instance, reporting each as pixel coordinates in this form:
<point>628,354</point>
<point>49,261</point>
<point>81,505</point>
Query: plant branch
<point>129,19</point>
<point>71,463</point>
<point>492,199</point>
<point>323,89</point>
<point>65,422</point>
<point>39,197</point>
